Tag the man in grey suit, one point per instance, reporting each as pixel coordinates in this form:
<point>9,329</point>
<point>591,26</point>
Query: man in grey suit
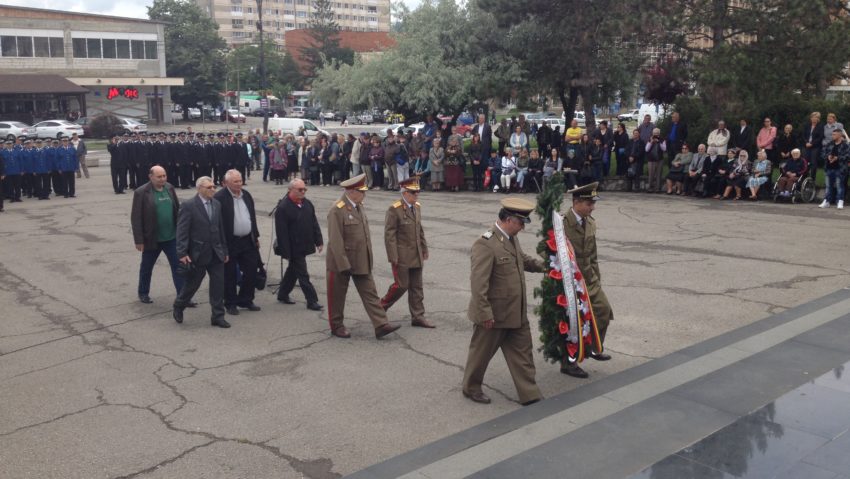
<point>201,243</point>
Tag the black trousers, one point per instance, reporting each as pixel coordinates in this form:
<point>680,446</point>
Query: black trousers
<point>244,254</point>
<point>69,178</point>
<point>173,174</point>
<point>58,183</point>
<point>478,176</point>
<point>132,174</point>
<point>193,281</point>
<point>42,185</point>
<point>13,187</point>
<point>327,173</point>
<point>119,179</point>
<point>27,183</point>
<point>185,176</point>
<point>297,271</point>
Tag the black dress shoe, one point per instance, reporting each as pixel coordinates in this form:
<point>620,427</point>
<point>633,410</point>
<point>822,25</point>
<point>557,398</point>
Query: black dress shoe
<point>191,304</point>
<point>145,299</point>
<point>252,307</point>
<point>529,403</point>
<point>221,323</point>
<point>177,314</point>
<point>385,329</point>
<point>286,300</point>
<point>599,356</point>
<point>233,310</point>
<point>478,397</point>
<point>314,306</point>
<point>574,370</point>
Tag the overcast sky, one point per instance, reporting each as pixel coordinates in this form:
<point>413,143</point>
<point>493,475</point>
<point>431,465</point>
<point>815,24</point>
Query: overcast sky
<point>121,8</point>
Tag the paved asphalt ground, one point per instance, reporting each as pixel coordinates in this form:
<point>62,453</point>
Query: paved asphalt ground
<point>98,385</point>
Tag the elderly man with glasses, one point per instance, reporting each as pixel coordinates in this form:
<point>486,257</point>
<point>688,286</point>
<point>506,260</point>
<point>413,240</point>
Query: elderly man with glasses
<point>297,235</point>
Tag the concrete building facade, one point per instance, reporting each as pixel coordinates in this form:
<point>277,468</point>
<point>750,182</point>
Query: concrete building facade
<point>237,19</point>
<point>119,61</point>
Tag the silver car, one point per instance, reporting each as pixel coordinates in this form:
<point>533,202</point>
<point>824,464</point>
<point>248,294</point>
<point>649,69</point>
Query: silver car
<point>57,129</point>
<point>13,129</point>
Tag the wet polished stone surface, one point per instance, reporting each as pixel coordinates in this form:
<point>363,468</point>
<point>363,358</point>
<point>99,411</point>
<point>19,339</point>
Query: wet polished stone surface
<point>802,434</point>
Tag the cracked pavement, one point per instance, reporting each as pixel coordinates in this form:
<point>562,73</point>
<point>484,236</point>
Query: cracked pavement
<point>98,385</point>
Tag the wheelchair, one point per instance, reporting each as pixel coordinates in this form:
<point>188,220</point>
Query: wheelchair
<point>802,191</point>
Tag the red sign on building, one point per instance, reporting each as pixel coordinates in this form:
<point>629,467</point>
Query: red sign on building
<point>128,93</point>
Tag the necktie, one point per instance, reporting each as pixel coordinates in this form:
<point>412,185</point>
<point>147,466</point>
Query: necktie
<point>413,211</point>
<point>583,222</point>
<point>209,209</point>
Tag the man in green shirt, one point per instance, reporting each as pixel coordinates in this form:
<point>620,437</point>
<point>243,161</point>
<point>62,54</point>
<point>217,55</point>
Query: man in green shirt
<point>154,221</point>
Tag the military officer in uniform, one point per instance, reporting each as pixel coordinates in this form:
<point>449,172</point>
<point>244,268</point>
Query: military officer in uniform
<point>580,228</point>
<point>349,257</point>
<point>498,307</point>
<point>407,251</point>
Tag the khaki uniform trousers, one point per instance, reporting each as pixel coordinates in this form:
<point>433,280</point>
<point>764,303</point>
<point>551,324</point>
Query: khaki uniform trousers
<point>338,288</point>
<point>516,347</point>
<point>601,309</point>
<point>407,280</point>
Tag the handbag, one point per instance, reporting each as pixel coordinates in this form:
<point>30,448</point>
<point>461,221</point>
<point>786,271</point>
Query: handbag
<point>185,269</point>
<point>262,277</point>
<point>487,177</point>
<point>632,171</point>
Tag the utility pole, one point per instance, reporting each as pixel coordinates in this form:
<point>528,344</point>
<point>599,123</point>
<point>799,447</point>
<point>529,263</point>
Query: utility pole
<point>262,67</point>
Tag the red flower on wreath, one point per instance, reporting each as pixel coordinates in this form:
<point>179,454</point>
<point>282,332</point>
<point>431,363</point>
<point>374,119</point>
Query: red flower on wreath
<point>561,301</point>
<point>553,246</point>
<point>563,328</point>
<point>555,274</point>
<point>578,275</point>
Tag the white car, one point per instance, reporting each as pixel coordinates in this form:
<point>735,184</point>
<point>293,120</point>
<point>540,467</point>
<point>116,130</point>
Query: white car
<point>57,129</point>
<point>13,129</point>
<point>415,128</point>
<point>194,113</point>
<point>631,115</point>
<point>578,116</point>
<point>131,125</point>
<point>554,122</point>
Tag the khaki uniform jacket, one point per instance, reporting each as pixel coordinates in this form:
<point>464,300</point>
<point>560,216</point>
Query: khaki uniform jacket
<point>498,282</point>
<point>584,244</point>
<point>404,237</point>
<point>349,244</point>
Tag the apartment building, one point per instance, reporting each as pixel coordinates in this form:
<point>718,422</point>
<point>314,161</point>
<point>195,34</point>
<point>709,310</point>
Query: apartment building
<point>237,19</point>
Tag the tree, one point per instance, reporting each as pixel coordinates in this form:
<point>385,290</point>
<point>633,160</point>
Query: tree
<point>748,53</point>
<point>282,75</point>
<point>192,46</point>
<point>324,44</point>
<point>586,48</point>
<point>449,57</point>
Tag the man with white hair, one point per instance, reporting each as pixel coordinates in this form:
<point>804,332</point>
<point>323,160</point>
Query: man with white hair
<point>243,243</point>
<point>202,249</point>
<point>298,236</point>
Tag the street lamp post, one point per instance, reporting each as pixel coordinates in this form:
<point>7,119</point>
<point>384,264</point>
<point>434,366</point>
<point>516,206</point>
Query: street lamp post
<point>262,67</point>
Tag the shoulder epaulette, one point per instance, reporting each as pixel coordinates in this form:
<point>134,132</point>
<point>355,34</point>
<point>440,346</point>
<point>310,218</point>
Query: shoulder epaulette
<point>340,204</point>
<point>397,204</point>
<point>487,234</point>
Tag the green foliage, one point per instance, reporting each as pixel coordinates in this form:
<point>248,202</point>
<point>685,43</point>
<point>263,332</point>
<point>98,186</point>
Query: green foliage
<point>549,313</point>
<point>192,51</point>
<point>282,74</point>
<point>324,44</point>
<point>106,125</point>
<point>449,57</point>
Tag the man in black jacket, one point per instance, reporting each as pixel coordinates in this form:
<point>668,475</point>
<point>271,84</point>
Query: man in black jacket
<point>117,166</point>
<point>242,236</point>
<point>677,135</point>
<point>742,138</point>
<point>298,235</point>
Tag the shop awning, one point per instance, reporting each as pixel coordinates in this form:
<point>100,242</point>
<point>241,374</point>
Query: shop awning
<point>132,81</point>
<point>32,84</point>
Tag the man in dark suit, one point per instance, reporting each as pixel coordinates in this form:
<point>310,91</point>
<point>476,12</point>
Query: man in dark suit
<point>676,136</point>
<point>117,166</point>
<point>154,222</point>
<point>742,138</point>
<point>243,244</point>
<point>485,132</point>
<point>201,243</point>
<point>298,235</point>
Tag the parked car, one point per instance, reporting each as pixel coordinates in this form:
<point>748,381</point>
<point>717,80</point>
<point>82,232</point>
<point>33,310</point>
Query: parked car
<point>378,116</point>
<point>329,115</point>
<point>364,118</point>
<point>311,113</point>
<point>194,113</point>
<point>57,129</point>
<point>271,111</point>
<point>631,115</point>
<point>233,116</point>
<point>294,126</point>
<point>415,128</point>
<point>465,118</point>
<point>131,125</point>
<point>85,122</point>
<point>297,111</point>
<point>553,122</point>
<point>395,118</point>
<point>13,129</point>
<point>578,116</point>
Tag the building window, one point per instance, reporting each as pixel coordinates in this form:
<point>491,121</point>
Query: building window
<point>137,49</point>
<point>302,2</point>
<point>41,47</point>
<point>123,48</point>
<point>57,47</point>
<point>236,23</point>
<point>9,46</point>
<point>372,9</point>
<point>236,10</point>
<point>301,14</point>
<point>289,25</point>
<point>79,47</point>
<point>93,46</point>
<point>290,2</point>
<point>150,50</point>
<point>373,19</point>
<point>302,25</point>
<point>109,50</point>
<point>289,12</point>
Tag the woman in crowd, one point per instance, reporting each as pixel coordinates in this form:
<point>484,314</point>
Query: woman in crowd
<point>794,167</point>
<point>438,158</point>
<point>557,140</point>
<point>347,150</point>
<point>739,174</point>
<point>494,167</point>
<point>519,140</point>
<point>724,168</point>
<point>478,167</point>
<point>422,168</point>
<point>291,148</point>
<point>509,169</point>
<point>712,173</point>
<point>786,142</point>
<point>376,162</point>
<point>315,154</point>
<point>765,138</point>
<point>304,159</point>
<point>762,170</point>
<point>621,144</point>
<point>633,161</point>
<point>654,155</point>
<point>676,175</point>
<point>813,139</point>
<point>535,170</point>
<point>454,165</point>
<point>326,162</point>
<point>596,157</point>
<point>522,167</point>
